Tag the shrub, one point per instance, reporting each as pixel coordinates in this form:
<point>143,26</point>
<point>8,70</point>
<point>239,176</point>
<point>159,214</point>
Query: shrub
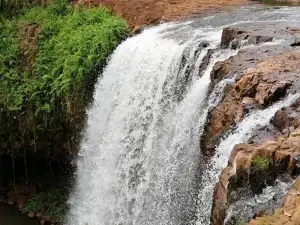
<point>43,105</point>
<point>51,202</point>
<point>260,162</point>
<point>10,8</point>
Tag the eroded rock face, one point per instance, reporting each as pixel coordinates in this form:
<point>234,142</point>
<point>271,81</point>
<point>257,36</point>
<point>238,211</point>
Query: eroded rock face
<point>255,167</point>
<point>258,87</point>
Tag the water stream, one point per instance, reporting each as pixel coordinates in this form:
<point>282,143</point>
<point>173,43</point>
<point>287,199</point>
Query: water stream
<point>140,161</point>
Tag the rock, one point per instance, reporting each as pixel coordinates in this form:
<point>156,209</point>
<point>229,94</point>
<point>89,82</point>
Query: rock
<point>207,57</point>
<point>246,101</point>
<point>137,30</point>
<point>220,70</point>
<point>296,42</point>
<point>287,117</point>
<point>266,92</point>
<point>239,159</point>
<point>258,87</point>
<point>235,37</point>
<point>259,39</point>
<point>288,214</point>
<point>255,167</point>
<point>230,34</point>
<point>220,205</point>
<point>31,215</point>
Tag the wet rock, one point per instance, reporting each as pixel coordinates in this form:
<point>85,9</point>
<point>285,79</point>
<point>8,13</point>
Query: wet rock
<point>236,37</point>
<point>230,34</point>
<point>258,87</point>
<point>31,215</point>
<point>287,118</point>
<point>137,30</point>
<point>296,42</point>
<point>220,71</point>
<point>266,92</point>
<point>259,39</point>
<point>289,213</point>
<point>254,167</point>
<point>220,204</point>
<point>206,58</point>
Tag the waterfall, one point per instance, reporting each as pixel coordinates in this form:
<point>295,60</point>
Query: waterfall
<point>139,160</point>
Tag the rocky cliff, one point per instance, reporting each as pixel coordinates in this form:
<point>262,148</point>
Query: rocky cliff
<point>260,79</point>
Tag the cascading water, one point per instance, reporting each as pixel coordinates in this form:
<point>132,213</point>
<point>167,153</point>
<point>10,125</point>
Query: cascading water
<point>140,157</point>
<point>140,161</point>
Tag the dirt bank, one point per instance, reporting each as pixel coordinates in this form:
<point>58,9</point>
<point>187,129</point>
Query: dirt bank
<point>140,12</point>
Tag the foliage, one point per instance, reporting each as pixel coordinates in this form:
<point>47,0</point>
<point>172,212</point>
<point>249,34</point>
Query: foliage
<point>52,202</point>
<point>260,162</point>
<point>279,3</point>
<point>43,106</point>
<point>10,8</point>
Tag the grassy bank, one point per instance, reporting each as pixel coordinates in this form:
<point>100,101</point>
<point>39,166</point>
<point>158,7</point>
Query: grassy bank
<point>50,58</point>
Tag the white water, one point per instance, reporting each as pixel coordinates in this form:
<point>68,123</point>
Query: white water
<point>139,161</point>
<point>270,198</point>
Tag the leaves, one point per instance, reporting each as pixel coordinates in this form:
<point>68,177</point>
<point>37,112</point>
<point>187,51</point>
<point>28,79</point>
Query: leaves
<point>73,45</point>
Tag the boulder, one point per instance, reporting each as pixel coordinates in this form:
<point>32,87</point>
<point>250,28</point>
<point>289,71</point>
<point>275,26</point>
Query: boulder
<point>220,71</point>
<point>296,42</point>
<point>230,34</point>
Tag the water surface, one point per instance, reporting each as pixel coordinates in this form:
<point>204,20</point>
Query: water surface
<point>10,216</point>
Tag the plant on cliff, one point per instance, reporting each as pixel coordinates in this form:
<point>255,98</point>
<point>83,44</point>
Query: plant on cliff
<point>51,203</point>
<point>50,58</point>
<point>260,162</point>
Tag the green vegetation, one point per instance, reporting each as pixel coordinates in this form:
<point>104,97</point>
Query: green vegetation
<point>51,202</point>
<point>50,58</point>
<point>236,220</point>
<point>278,2</point>
<point>10,8</point>
<point>260,162</point>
